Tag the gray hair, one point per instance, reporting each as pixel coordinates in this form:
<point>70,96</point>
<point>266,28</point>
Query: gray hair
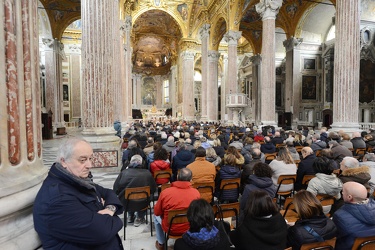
<point>350,162</point>
<point>67,148</point>
<point>184,174</point>
<point>370,157</point>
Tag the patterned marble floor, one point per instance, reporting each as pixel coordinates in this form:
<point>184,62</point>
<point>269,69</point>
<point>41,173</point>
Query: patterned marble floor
<point>137,238</point>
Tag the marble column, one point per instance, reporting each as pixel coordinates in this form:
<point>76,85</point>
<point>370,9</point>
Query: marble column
<point>292,77</point>
<point>212,87</point>
<point>137,79</point>
<point>173,90</point>
<point>223,111</point>
<point>127,79</point>
<point>21,166</point>
<point>256,96</point>
<point>346,66</point>
<point>159,91</point>
<point>54,54</point>
<point>187,71</point>
<point>268,9</point>
<point>98,71</point>
<point>204,35</point>
<point>118,50</point>
<point>231,82</point>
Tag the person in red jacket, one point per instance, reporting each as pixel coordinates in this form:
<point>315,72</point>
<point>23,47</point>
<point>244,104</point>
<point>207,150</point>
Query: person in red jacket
<point>160,162</point>
<point>178,196</point>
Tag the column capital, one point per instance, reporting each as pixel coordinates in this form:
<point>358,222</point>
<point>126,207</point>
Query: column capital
<point>213,55</point>
<point>256,59</point>
<point>268,9</point>
<point>187,44</point>
<point>187,55</point>
<point>232,36</point>
<point>204,31</point>
<point>292,43</point>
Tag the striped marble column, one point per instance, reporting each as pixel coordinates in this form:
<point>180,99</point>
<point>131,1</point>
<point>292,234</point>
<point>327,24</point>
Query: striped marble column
<point>256,96</point>
<point>173,90</point>
<point>187,68</point>
<point>127,78</point>
<point>98,70</point>
<point>224,78</point>
<point>21,166</point>
<point>346,66</point>
<point>159,91</point>
<point>204,35</point>
<point>231,82</point>
<point>212,87</point>
<point>268,9</point>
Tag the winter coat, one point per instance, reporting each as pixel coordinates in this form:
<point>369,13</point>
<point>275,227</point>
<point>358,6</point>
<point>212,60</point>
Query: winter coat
<point>148,149</point>
<point>256,183</point>
<point>178,196</point>
<point>325,184</point>
<point>280,168</point>
<point>293,152</point>
<point>247,170</point>
<point>339,152</point>
<point>318,145</point>
<point>246,153</point>
<point>360,174</point>
<point>237,144</point>
<point>214,160</point>
<point>358,142</point>
<point>181,160</point>
<point>346,143</point>
<point>227,172</point>
<point>169,146</point>
<point>277,140</point>
<point>354,220</point>
<point>258,138</point>
<point>298,235</point>
<point>260,233</point>
<point>305,167</point>
<point>203,171</point>
<point>267,148</point>
<point>220,151</point>
<point>127,155</point>
<point>133,177</point>
<point>160,165</point>
<point>66,213</point>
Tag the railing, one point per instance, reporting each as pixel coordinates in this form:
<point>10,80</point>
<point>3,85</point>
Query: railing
<point>366,126</point>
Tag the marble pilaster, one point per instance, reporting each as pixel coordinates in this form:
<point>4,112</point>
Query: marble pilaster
<point>159,91</point>
<point>127,79</point>
<point>173,90</point>
<point>117,71</point>
<point>268,9</point>
<point>54,54</point>
<point>137,79</point>
<point>346,65</point>
<point>187,70</point>
<point>212,87</point>
<point>231,37</point>
<point>223,111</point>
<point>256,95</point>
<point>204,35</point>
<point>98,71</point>
<point>21,167</point>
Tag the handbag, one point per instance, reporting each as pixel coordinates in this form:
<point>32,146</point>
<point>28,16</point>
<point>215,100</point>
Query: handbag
<point>313,233</point>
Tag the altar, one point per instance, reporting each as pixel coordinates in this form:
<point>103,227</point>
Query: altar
<point>153,114</point>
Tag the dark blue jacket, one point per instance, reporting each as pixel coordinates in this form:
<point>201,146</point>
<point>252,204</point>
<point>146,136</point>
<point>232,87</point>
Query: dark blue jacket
<point>257,183</point>
<point>354,220</point>
<point>305,167</point>
<point>268,148</point>
<point>66,214</point>
<point>181,160</point>
<point>227,172</point>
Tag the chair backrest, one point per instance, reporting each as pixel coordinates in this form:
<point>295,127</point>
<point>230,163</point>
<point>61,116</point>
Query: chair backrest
<point>206,189</point>
<point>360,151</point>
<point>285,179</point>
<point>299,149</point>
<point>318,152</point>
<point>137,198</point>
<point>364,243</point>
<point>327,244</point>
<point>227,210</point>
<point>288,206</point>
<point>326,199</point>
<point>163,174</point>
<point>307,178</point>
<point>164,186</point>
<point>177,216</point>
<point>297,162</point>
<point>230,185</point>
<point>270,156</point>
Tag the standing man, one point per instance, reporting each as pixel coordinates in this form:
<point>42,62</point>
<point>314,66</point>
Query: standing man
<point>72,212</point>
<point>356,218</point>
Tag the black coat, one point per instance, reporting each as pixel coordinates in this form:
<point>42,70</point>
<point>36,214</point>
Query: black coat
<point>268,148</point>
<point>298,235</point>
<point>305,167</point>
<point>260,233</point>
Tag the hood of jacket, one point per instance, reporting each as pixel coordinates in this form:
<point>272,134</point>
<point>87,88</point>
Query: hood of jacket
<point>162,165</point>
<point>260,182</point>
<point>332,185</point>
<point>231,170</point>
<point>356,171</point>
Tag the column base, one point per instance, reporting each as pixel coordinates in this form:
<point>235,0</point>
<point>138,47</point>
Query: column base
<point>347,127</point>
<point>269,123</point>
<point>102,138</point>
<point>204,118</point>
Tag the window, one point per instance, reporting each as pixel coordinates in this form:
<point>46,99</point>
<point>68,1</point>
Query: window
<point>166,91</point>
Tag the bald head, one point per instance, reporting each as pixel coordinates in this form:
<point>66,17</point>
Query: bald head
<point>356,134</point>
<point>354,192</point>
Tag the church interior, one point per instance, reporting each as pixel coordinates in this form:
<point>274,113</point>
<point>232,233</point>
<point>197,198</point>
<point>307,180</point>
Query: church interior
<point>88,63</point>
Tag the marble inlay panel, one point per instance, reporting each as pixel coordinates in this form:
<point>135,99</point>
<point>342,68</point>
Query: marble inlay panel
<point>105,158</point>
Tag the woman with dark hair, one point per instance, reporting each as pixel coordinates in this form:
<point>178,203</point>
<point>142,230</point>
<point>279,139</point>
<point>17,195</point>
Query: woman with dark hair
<point>325,181</point>
<point>261,179</point>
<point>313,225</point>
<point>202,233</point>
<point>160,162</point>
<point>263,226</point>
<point>327,152</point>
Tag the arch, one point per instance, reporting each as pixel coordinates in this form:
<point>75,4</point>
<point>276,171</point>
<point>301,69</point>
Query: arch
<point>219,30</point>
<point>45,30</point>
<point>175,17</point>
<point>66,25</point>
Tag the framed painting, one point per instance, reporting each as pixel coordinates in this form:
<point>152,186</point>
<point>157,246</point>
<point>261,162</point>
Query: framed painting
<point>309,64</point>
<point>308,87</point>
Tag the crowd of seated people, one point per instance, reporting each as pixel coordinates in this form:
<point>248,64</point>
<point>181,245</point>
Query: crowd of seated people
<point>214,153</point>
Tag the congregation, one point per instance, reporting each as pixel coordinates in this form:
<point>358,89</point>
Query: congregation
<point>334,164</point>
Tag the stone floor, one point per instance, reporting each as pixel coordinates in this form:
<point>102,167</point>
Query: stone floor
<point>137,238</point>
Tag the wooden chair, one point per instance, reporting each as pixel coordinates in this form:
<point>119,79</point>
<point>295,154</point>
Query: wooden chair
<point>306,179</point>
<point>270,156</point>
<point>327,201</point>
<point>318,152</point>
<point>164,186</point>
<point>364,243</point>
<point>369,150</point>
<point>228,185</point>
<point>297,162</point>
<point>175,217</point>
<point>206,189</point>
<point>359,152</point>
<point>285,180</point>
<point>299,149</point>
<point>137,199</point>
<point>279,145</point>
<point>227,210</point>
<point>162,174</point>
<point>326,245</point>
<point>289,213</point>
